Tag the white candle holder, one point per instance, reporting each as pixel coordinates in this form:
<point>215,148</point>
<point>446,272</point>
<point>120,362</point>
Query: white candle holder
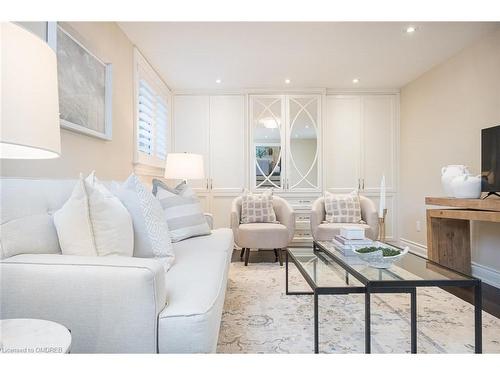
<point>381,226</point>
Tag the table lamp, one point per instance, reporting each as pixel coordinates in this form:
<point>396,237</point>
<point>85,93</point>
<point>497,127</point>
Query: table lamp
<point>184,166</point>
<point>29,98</point>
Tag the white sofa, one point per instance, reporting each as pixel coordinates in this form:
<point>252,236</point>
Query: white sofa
<point>110,304</point>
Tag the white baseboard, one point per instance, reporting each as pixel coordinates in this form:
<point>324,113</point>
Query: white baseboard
<point>485,273</point>
<point>415,247</point>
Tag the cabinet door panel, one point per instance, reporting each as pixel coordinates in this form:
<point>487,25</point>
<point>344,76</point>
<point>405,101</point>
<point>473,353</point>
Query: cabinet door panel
<point>267,151</point>
<point>191,119</point>
<point>221,210</point>
<point>227,142</point>
<point>379,130</point>
<point>303,142</point>
<point>342,142</point>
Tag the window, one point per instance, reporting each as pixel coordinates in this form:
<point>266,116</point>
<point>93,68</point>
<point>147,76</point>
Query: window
<point>152,127</point>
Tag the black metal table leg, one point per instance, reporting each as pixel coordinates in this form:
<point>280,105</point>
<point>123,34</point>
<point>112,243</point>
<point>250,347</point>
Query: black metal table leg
<point>478,325</point>
<point>367,324</point>
<point>413,320</point>
<point>316,324</point>
<point>286,272</point>
<point>347,277</point>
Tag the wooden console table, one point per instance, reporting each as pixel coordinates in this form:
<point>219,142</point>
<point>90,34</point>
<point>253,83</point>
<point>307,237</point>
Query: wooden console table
<point>448,229</point>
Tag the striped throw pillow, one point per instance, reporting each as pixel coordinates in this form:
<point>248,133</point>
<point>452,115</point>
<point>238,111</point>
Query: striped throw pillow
<point>182,210</point>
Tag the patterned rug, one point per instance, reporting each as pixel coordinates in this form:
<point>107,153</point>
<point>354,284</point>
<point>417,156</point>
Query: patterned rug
<point>259,318</point>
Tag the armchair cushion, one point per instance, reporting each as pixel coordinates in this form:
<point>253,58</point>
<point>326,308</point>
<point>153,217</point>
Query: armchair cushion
<point>257,208</point>
<point>328,230</point>
<point>342,208</point>
<point>263,235</point>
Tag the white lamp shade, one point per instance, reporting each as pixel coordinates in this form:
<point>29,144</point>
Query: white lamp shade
<point>184,166</point>
<point>29,99</point>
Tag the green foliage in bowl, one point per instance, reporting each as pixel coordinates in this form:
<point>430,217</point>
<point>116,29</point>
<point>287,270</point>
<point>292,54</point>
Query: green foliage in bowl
<point>385,251</point>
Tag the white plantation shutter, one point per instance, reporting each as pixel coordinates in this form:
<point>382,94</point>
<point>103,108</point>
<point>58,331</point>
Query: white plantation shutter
<point>161,129</point>
<point>145,118</point>
<point>153,116</point>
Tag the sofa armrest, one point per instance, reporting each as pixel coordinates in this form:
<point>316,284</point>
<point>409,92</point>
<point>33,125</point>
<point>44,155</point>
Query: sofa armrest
<point>110,304</point>
<point>210,219</point>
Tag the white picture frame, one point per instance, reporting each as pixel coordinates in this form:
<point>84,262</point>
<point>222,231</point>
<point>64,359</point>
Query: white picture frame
<point>83,109</point>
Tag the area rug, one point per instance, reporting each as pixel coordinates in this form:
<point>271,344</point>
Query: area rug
<point>259,317</point>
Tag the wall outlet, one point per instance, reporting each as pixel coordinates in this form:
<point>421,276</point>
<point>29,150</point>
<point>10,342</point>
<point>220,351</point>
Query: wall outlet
<point>419,227</point>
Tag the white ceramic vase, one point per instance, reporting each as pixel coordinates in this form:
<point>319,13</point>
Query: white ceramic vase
<point>466,186</point>
<point>448,173</point>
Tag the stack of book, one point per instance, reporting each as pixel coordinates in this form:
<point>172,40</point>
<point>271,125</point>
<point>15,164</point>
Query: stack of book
<point>346,245</point>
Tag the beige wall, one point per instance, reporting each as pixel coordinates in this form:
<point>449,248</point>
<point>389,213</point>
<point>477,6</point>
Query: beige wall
<point>442,114</point>
<point>80,153</point>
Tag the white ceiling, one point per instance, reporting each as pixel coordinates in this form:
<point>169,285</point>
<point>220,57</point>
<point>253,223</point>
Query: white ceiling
<point>261,55</point>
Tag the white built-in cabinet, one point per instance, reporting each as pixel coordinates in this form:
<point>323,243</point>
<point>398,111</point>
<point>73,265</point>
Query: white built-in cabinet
<point>361,143</point>
<point>298,144</point>
<point>214,126</point>
<point>285,142</point>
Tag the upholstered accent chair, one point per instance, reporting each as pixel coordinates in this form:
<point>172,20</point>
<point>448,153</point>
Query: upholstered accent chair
<point>323,231</point>
<point>275,236</point>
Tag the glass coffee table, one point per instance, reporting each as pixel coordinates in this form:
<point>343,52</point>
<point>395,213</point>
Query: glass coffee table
<point>328,271</point>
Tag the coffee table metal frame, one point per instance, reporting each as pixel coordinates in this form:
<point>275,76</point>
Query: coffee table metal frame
<point>382,286</point>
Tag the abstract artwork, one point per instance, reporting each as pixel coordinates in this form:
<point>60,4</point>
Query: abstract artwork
<point>84,86</point>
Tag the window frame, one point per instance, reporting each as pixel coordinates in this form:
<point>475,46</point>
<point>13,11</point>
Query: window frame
<point>143,70</point>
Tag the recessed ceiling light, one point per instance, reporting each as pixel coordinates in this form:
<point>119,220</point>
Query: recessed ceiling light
<point>410,29</point>
<point>355,80</point>
<point>218,80</point>
<point>287,81</point>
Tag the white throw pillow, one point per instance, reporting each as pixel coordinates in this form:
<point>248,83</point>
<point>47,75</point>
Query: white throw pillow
<point>342,208</point>
<point>257,208</point>
<point>182,210</point>
<point>94,222</point>
<point>151,235</point>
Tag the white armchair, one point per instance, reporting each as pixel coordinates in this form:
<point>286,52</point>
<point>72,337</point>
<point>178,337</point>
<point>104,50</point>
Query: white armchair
<point>264,235</point>
<point>323,231</point>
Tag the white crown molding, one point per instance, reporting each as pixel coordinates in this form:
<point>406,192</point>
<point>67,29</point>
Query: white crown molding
<point>243,91</point>
<point>347,91</point>
<point>283,90</point>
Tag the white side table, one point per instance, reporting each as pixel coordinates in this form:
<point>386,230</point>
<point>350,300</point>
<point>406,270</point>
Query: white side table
<point>33,336</point>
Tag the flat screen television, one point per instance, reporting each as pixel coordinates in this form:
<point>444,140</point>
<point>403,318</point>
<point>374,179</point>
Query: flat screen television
<point>490,160</point>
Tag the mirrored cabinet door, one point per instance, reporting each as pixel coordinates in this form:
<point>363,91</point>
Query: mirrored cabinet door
<point>303,142</point>
<point>267,151</point>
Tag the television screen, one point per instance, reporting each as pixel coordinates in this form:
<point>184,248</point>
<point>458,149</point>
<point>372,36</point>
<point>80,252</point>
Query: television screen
<point>490,159</point>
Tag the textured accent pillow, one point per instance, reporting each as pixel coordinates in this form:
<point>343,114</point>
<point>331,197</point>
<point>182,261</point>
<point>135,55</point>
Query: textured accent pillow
<point>151,235</point>
<point>342,208</point>
<point>182,209</point>
<point>257,208</point>
<point>94,222</point>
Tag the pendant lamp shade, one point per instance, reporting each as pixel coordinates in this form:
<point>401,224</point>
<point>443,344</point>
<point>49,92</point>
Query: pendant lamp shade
<point>29,99</point>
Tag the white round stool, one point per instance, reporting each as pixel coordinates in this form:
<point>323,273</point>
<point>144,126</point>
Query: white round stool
<point>33,336</point>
